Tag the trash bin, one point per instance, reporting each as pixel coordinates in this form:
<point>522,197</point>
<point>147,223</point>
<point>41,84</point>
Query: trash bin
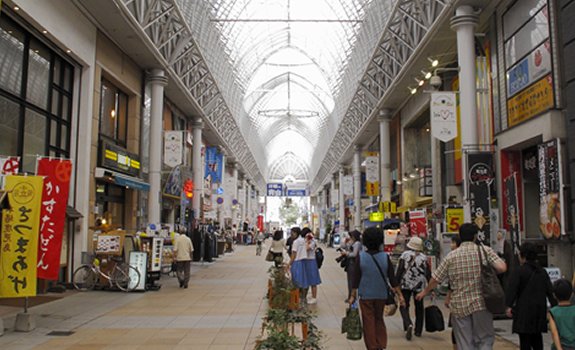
<point>221,247</point>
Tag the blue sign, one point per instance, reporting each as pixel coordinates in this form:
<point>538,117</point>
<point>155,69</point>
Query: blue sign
<point>519,77</point>
<point>296,193</point>
<point>220,190</point>
<point>214,163</point>
<point>275,190</point>
<point>349,202</point>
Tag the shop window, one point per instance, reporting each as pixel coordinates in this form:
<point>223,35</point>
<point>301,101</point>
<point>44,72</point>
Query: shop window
<point>36,89</point>
<point>110,200</point>
<point>113,113</point>
<point>11,56</point>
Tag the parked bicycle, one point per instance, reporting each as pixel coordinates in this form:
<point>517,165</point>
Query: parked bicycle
<point>122,275</point>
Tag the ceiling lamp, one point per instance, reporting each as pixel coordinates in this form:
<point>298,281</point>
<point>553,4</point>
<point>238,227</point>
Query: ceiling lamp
<point>434,62</point>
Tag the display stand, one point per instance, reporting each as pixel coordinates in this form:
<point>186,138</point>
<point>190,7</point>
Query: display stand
<point>153,247</point>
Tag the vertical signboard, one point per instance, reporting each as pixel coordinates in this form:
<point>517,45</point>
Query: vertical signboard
<point>348,185</point>
<point>481,189</point>
<point>56,173</point>
<point>20,226</point>
<point>512,211</point>
<point>372,173</point>
<point>453,219</point>
<point>550,203</point>
<point>418,223</point>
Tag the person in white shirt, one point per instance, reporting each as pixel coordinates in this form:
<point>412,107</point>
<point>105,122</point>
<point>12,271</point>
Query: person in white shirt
<point>183,249</point>
<point>277,248</point>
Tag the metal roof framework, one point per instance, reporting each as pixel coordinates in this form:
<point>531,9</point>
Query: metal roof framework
<point>193,47</point>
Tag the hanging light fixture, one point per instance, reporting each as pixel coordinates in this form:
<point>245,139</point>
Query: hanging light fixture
<point>434,62</point>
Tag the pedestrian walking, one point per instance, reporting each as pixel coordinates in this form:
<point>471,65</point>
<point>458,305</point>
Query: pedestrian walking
<point>303,268</point>
<point>350,253</point>
<point>277,247</point>
<point>526,298</point>
<point>183,250</point>
<point>472,322</point>
<point>413,272</point>
<point>372,276</point>
<point>312,266</point>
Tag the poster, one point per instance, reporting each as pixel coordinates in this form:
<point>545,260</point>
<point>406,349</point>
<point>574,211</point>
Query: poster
<point>348,185</point>
<point>453,219</point>
<point>418,223</point>
<point>481,189</point>
<point>512,211</point>
<point>530,102</point>
<point>550,204</point>
<point>139,260</point>
<point>20,226</point>
<point>214,164</point>
<point>56,187</point>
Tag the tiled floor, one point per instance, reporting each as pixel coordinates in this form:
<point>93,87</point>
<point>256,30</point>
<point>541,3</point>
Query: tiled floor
<point>222,309</point>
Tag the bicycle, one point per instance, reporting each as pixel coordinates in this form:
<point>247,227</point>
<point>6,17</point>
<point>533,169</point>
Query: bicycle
<point>124,276</point>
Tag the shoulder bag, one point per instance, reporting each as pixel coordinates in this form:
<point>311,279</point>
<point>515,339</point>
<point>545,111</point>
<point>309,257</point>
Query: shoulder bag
<point>391,302</point>
<point>491,289</point>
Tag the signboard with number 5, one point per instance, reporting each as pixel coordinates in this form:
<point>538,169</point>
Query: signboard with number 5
<point>453,219</point>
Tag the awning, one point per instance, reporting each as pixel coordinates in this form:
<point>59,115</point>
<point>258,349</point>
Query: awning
<point>121,179</point>
<point>72,213</point>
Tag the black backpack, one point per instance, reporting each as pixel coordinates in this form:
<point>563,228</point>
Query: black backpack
<point>319,257</point>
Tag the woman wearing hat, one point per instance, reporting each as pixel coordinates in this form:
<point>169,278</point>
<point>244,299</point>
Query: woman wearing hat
<point>413,272</point>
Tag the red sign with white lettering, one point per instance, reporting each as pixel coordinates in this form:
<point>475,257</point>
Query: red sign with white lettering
<point>56,174</point>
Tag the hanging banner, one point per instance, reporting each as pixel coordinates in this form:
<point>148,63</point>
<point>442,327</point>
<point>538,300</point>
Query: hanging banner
<point>56,187</point>
<point>443,115</point>
<point>214,163</point>
<point>372,173</point>
<point>20,226</point>
<point>418,223</point>
<point>173,148</point>
<point>275,190</point>
<point>481,189</point>
<point>512,211</point>
<point>550,205</point>
<point>348,185</point>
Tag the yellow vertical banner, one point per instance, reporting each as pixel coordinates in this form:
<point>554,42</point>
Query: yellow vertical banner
<point>20,225</point>
<point>371,173</point>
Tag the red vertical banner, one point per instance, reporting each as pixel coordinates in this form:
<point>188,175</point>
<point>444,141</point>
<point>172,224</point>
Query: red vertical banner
<point>261,223</point>
<point>56,187</point>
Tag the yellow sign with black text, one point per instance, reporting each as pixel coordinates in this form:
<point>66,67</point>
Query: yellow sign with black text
<point>532,101</point>
<point>453,219</point>
<point>20,226</point>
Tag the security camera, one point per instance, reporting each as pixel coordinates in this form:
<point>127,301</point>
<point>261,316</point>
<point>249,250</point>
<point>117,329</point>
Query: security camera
<point>435,81</point>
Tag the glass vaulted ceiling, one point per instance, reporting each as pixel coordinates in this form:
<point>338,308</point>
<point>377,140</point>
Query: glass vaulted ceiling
<point>288,61</point>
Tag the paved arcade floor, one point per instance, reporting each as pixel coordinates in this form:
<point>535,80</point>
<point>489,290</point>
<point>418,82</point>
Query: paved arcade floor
<point>221,309</point>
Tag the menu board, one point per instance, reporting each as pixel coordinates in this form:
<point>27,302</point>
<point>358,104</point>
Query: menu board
<point>139,261</point>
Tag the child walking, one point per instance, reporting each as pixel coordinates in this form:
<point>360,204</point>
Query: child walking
<point>562,317</point>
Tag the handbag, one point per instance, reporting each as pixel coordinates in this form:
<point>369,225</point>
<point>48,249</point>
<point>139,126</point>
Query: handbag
<point>491,289</point>
<point>353,323</point>
<point>392,299</point>
<point>434,319</point>
<point>270,256</point>
<point>344,321</point>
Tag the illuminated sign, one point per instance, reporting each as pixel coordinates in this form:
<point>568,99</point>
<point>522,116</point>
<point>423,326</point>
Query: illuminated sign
<point>117,158</point>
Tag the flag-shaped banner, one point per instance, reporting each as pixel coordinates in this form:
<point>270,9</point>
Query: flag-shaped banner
<point>56,174</point>
<point>20,226</point>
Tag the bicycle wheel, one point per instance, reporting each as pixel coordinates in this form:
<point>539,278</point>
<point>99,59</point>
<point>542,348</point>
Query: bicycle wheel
<point>84,278</point>
<point>125,277</point>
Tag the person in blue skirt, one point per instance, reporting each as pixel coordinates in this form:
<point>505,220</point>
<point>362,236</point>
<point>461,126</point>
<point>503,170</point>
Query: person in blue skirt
<point>303,266</point>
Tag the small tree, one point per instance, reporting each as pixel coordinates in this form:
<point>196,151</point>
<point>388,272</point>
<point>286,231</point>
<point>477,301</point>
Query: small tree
<point>289,212</point>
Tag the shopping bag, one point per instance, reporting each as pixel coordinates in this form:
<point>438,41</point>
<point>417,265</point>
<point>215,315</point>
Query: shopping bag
<point>344,321</point>
<point>491,289</point>
<point>391,303</point>
<point>354,329</point>
<point>269,256</point>
<point>434,319</point>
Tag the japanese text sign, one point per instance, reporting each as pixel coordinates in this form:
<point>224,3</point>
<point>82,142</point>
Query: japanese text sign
<point>20,226</point>
<point>56,174</point>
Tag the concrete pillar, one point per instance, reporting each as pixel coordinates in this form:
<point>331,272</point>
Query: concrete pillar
<point>357,187</point>
<point>384,119</point>
<point>437,187</point>
<point>197,169</point>
<point>332,196</point>
<point>221,207</point>
<point>341,197</point>
<point>157,81</point>
<point>234,195</point>
<point>243,201</point>
<point>464,23</point>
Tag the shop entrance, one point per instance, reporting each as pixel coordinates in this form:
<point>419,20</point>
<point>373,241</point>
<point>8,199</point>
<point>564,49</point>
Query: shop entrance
<point>110,201</point>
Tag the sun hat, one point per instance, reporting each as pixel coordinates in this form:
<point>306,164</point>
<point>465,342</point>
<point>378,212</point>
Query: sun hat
<point>415,243</point>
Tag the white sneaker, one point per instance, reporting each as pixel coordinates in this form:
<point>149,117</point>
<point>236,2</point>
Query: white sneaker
<point>312,301</point>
